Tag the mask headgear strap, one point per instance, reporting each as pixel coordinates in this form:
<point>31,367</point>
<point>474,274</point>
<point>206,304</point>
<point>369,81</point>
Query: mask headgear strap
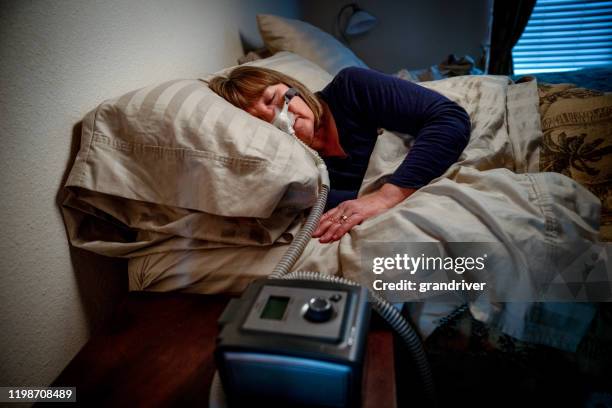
<point>291,92</point>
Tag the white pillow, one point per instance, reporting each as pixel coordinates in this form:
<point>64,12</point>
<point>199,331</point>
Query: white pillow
<point>283,34</point>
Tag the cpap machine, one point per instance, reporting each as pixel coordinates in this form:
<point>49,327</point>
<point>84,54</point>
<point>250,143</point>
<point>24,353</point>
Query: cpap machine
<point>298,339</point>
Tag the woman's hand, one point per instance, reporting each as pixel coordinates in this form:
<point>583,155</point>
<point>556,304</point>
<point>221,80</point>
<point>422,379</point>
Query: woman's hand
<point>338,221</point>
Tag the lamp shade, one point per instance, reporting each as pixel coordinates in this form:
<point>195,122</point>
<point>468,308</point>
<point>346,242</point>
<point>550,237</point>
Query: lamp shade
<point>360,22</point>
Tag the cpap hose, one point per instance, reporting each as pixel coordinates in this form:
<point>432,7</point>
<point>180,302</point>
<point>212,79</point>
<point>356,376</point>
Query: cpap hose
<point>395,319</point>
<point>305,234</point>
<point>217,398</point>
<point>385,309</point>
<point>302,238</point>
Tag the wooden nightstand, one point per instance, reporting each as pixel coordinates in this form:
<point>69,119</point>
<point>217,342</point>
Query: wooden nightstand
<point>157,350</point>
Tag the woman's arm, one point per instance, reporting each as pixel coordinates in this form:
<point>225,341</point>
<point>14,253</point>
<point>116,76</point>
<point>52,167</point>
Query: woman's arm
<point>441,128</point>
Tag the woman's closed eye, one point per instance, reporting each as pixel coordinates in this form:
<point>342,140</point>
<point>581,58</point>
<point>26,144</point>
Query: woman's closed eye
<point>273,99</point>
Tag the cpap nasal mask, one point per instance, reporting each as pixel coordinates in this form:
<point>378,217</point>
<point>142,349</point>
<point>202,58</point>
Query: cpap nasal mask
<point>283,119</point>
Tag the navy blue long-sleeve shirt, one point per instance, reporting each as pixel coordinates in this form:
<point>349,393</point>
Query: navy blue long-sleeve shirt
<point>362,101</point>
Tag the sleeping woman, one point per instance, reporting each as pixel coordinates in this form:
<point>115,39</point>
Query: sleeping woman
<point>341,122</point>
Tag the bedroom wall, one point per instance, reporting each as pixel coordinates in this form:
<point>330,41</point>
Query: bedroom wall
<point>59,60</point>
<point>410,34</point>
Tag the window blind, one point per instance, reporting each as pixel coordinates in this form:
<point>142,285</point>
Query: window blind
<point>565,35</point>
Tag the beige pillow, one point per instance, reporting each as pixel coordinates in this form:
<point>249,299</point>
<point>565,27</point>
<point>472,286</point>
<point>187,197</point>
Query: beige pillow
<point>176,160</point>
<point>194,266</point>
<point>306,40</point>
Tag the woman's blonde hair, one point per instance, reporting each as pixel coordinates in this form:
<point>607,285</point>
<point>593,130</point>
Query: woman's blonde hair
<point>245,84</point>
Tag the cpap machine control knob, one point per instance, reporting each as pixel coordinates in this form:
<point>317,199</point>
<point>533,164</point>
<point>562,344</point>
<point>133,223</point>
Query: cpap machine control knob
<point>318,310</point>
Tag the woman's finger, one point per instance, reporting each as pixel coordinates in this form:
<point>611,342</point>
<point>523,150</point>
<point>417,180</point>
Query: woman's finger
<point>331,230</point>
<point>322,227</point>
<point>326,215</point>
<point>326,220</point>
<point>332,220</point>
<point>345,227</point>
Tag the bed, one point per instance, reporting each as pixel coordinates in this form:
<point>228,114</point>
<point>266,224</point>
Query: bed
<point>135,190</point>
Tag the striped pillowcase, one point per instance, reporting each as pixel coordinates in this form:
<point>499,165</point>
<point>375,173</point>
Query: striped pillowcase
<point>158,158</point>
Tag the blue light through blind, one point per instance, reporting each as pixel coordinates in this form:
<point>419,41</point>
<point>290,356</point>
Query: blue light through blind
<point>565,35</point>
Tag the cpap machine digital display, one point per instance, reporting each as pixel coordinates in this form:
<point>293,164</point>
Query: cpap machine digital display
<point>294,343</point>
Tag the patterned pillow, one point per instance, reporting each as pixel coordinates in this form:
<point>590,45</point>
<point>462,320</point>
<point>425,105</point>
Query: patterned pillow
<point>577,140</point>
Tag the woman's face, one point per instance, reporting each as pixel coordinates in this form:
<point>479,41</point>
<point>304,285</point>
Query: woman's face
<point>273,96</point>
